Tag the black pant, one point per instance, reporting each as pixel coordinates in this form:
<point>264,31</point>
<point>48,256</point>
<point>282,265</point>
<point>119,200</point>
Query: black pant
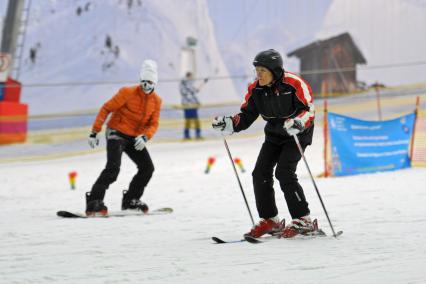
<point>285,157</point>
<point>115,149</point>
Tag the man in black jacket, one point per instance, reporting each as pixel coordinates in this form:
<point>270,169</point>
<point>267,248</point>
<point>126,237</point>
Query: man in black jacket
<point>285,102</point>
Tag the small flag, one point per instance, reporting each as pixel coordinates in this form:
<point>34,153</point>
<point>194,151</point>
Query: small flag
<point>239,163</point>
<point>72,177</point>
<point>210,163</point>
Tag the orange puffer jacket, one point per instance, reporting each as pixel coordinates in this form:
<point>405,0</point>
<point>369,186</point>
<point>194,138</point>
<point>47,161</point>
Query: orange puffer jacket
<point>133,112</point>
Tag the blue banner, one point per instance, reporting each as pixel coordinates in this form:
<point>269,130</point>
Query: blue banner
<point>359,146</point>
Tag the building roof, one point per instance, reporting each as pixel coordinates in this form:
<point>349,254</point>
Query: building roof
<point>359,57</point>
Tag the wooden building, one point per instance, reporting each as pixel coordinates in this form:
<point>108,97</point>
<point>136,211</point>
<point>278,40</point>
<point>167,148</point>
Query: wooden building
<point>330,65</point>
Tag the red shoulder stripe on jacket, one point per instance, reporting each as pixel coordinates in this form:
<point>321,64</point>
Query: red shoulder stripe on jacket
<point>303,90</point>
<point>304,94</point>
<point>249,93</point>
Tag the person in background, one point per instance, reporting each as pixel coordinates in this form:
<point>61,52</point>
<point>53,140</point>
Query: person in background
<point>190,104</point>
<point>135,113</point>
<point>285,102</point>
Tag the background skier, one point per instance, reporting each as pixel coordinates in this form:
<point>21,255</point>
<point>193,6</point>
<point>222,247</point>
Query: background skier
<point>190,104</point>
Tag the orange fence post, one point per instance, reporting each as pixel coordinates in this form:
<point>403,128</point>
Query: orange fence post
<point>416,111</point>
<point>326,169</point>
<point>379,107</point>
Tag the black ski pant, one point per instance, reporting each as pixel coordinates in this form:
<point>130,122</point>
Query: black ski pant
<point>285,157</point>
<point>142,159</point>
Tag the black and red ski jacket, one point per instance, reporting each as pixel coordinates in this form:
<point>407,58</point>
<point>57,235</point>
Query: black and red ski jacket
<point>286,98</point>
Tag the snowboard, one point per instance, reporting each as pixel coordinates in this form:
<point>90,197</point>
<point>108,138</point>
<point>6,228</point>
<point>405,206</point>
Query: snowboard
<point>158,211</point>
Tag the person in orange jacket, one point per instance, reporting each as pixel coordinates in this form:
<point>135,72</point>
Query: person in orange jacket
<point>134,115</point>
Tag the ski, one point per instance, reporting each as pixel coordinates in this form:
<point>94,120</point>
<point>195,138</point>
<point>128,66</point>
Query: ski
<point>317,233</point>
<point>221,241</point>
<point>158,211</point>
<point>277,234</point>
<point>252,240</point>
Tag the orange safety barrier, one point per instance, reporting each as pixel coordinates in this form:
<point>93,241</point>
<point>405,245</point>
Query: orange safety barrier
<point>418,152</point>
<point>13,122</point>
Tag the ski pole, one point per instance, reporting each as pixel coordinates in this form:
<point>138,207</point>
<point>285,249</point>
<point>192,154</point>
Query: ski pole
<point>313,181</point>
<point>238,179</point>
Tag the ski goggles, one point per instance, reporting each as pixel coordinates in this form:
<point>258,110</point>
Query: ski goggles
<point>147,85</point>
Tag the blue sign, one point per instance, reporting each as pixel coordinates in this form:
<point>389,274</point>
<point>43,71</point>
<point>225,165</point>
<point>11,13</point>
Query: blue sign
<point>1,91</point>
<point>359,146</point>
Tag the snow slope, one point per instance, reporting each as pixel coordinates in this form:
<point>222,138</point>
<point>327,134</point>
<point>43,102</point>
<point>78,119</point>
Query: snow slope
<point>72,50</point>
<point>74,70</point>
<point>382,215</point>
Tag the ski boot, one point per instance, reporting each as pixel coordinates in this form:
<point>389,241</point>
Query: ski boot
<point>133,204</point>
<point>95,207</point>
<point>265,226</point>
<point>303,226</point>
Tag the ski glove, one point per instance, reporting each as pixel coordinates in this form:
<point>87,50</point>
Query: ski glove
<point>93,140</point>
<point>140,142</point>
<point>223,124</point>
<point>293,126</point>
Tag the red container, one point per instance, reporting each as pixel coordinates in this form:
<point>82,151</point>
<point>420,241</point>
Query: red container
<point>11,90</point>
<point>13,122</point>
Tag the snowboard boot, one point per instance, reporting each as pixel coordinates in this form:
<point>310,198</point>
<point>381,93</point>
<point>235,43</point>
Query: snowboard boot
<point>303,226</point>
<point>265,226</point>
<point>95,207</point>
<point>133,204</point>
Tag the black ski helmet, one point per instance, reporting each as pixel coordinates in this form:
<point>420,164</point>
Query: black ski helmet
<point>272,60</point>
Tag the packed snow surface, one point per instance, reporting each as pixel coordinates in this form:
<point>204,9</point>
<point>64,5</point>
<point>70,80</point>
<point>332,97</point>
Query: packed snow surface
<point>382,216</point>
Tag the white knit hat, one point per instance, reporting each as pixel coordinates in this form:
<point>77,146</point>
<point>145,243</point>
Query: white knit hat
<point>149,71</point>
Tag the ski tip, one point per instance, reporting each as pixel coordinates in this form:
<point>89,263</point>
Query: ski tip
<point>339,233</point>
<point>252,240</point>
<point>217,240</point>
